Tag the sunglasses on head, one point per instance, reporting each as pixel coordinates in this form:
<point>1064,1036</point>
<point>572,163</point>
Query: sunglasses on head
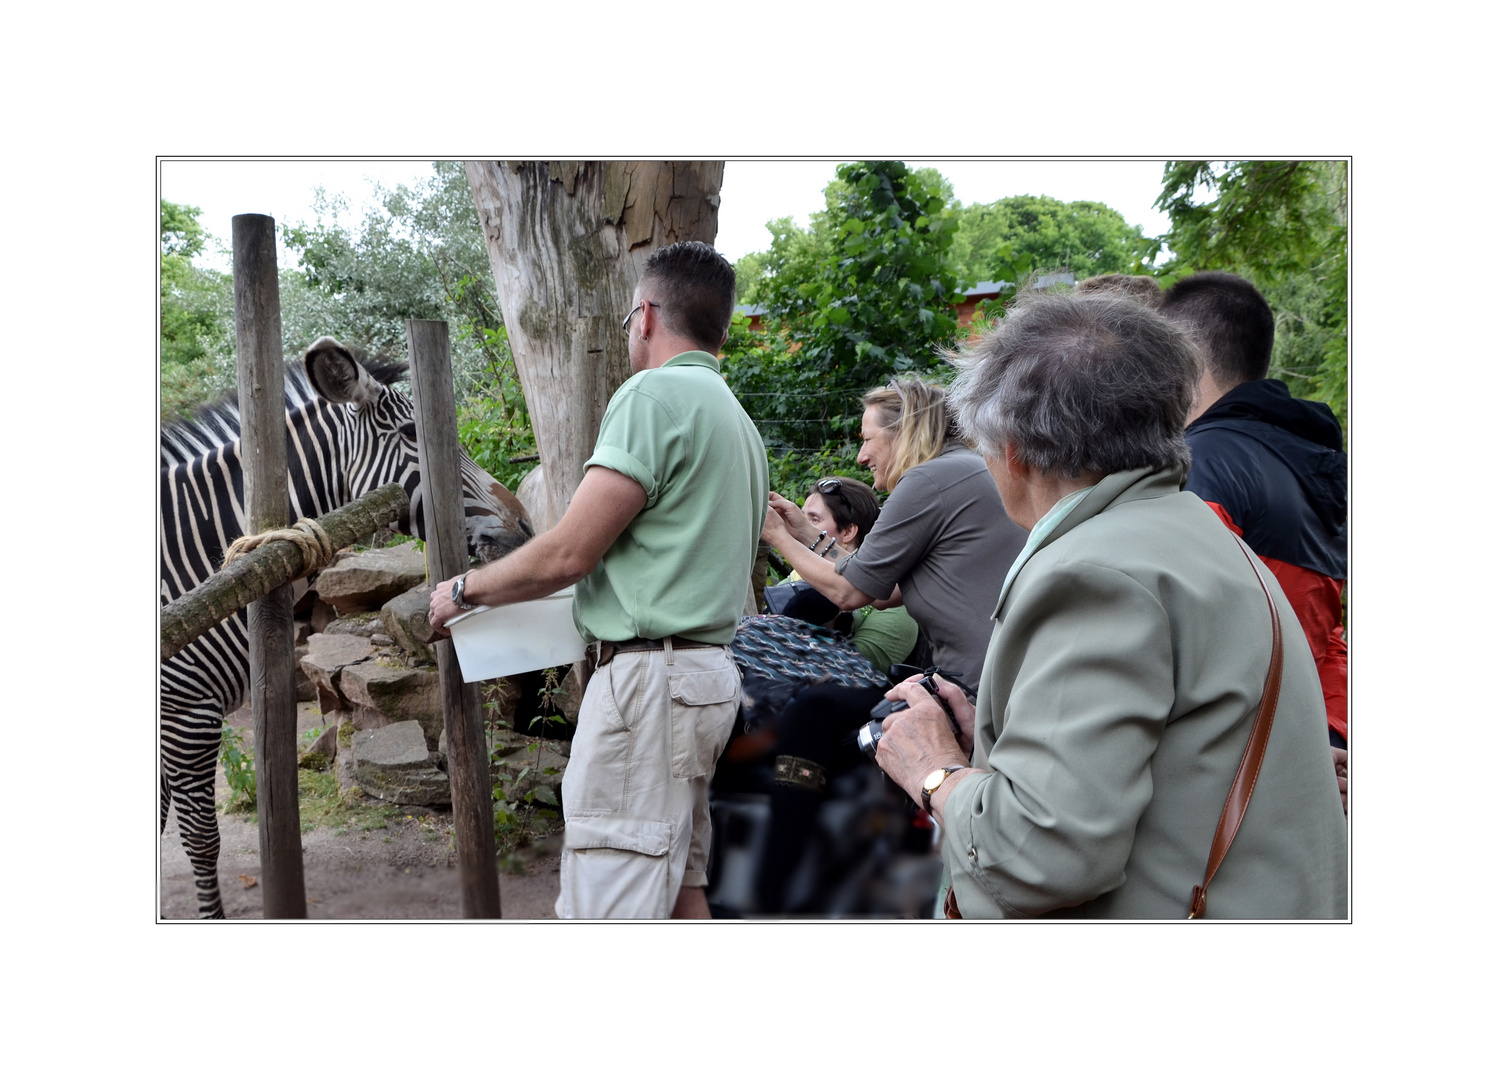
<point>832,487</point>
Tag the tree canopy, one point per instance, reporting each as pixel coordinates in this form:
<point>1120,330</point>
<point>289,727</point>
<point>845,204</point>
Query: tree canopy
<point>862,295</point>
<point>195,336</point>
<point>1002,240</point>
<point>1282,225</point>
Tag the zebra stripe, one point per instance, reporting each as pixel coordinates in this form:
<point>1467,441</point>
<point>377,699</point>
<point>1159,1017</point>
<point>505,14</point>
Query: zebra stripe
<point>349,432</point>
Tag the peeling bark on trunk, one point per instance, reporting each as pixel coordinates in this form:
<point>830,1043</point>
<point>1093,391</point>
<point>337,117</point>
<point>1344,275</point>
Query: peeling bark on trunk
<point>568,241</point>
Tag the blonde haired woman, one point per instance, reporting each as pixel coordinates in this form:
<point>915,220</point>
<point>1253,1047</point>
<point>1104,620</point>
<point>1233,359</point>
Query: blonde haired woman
<point>942,544</point>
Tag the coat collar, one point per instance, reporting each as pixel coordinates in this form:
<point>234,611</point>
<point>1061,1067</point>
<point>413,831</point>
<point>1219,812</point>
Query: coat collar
<point>1132,485</point>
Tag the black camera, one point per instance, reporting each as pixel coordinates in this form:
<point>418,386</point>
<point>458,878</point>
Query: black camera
<point>869,734</point>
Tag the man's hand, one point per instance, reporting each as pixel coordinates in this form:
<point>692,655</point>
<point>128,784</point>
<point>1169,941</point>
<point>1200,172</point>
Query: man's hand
<point>1338,755</point>
<point>441,608</point>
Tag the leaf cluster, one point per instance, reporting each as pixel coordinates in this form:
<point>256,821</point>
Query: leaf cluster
<point>420,255</point>
<point>196,342</point>
<point>1007,239</point>
<point>240,770</point>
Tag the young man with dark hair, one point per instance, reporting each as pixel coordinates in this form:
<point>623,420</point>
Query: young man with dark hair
<point>659,540</point>
<point>1271,465</point>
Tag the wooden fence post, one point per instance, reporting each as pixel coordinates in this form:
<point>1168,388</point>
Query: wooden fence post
<point>269,621</point>
<point>445,546</point>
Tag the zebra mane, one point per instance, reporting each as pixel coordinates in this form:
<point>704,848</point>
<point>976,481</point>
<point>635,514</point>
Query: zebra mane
<point>218,423</point>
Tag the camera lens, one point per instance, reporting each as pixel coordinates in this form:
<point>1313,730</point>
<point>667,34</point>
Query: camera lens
<point>869,738</point>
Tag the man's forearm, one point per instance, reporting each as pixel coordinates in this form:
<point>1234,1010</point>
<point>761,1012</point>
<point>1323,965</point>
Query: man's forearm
<point>604,503</point>
<point>539,568</point>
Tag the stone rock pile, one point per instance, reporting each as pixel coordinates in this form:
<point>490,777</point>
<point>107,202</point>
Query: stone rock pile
<point>378,688</point>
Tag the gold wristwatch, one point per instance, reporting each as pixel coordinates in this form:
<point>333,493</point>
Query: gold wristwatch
<point>934,781</point>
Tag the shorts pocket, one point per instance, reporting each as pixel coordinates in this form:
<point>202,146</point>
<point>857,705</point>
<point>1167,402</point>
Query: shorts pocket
<point>703,705</point>
<point>617,868</point>
<point>596,777</point>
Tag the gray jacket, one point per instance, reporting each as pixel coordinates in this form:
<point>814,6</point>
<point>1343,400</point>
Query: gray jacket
<point>1121,683</point>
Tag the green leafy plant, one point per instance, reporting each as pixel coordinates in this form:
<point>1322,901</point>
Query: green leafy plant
<point>521,811</point>
<point>195,335</point>
<point>240,771</point>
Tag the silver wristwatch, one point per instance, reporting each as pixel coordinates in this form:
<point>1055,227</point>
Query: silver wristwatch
<point>458,593</point>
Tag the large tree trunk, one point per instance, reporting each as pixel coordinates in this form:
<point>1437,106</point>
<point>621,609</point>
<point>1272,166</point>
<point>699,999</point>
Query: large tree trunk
<point>568,241</point>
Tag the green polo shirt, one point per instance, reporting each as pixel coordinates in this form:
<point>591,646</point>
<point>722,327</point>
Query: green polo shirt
<point>682,565</point>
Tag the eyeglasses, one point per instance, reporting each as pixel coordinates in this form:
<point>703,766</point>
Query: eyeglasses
<point>629,317</point>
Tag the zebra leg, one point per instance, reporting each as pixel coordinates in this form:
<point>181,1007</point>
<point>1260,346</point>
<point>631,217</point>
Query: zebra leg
<point>201,839</point>
<point>191,748</point>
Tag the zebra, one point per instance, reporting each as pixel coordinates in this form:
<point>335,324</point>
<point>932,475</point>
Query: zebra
<point>349,432</point>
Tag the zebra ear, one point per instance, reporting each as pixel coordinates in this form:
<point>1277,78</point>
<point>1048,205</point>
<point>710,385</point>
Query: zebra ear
<point>337,375</point>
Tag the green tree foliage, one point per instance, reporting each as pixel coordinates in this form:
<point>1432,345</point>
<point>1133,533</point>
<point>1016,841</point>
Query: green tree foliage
<point>196,340</point>
<point>1281,225</point>
<point>420,256</point>
<point>793,254</point>
<point>862,295</point>
<point>1008,238</point>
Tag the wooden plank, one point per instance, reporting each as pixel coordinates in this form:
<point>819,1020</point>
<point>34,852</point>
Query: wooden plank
<point>445,545</point>
<point>277,562</point>
<point>264,459</point>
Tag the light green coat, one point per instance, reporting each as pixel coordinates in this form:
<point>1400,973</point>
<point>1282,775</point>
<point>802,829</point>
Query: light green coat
<point>1122,679</point>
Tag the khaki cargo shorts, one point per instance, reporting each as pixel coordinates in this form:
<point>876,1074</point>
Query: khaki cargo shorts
<point>638,827</point>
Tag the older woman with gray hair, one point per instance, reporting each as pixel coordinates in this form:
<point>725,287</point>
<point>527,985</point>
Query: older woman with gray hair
<point>1131,649</point>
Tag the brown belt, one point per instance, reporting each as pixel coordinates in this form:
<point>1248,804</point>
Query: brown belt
<point>599,654</point>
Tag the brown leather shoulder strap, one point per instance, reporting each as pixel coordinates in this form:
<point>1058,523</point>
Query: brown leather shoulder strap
<point>1251,759</point>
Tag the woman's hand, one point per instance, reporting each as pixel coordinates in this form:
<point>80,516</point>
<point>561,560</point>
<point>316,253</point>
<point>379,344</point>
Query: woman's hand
<point>793,517</point>
<point>958,702</point>
<point>920,739</point>
<point>774,532</point>
<point>963,711</point>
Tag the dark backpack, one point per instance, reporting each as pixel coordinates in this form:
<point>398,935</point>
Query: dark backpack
<point>779,656</point>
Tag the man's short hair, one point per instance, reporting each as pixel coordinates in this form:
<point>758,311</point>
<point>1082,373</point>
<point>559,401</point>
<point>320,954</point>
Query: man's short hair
<point>1137,287</point>
<point>1077,384</point>
<point>693,285</point>
<point>1229,320</point>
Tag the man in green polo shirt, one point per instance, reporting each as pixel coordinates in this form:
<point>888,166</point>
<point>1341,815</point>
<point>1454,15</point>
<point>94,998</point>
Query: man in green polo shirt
<point>659,539</point>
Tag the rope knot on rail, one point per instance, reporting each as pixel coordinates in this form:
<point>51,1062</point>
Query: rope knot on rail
<point>306,533</point>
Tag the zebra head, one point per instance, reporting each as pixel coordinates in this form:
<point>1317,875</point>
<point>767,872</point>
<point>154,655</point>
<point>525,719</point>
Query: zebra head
<point>379,446</point>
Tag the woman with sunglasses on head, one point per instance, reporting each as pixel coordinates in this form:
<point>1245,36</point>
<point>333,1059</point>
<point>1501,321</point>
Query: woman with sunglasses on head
<point>843,510</point>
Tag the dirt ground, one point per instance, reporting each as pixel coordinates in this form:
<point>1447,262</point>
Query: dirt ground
<point>405,869</point>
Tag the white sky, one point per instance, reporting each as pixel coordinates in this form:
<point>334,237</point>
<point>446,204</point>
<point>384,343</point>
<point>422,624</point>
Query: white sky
<point>753,193</point>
